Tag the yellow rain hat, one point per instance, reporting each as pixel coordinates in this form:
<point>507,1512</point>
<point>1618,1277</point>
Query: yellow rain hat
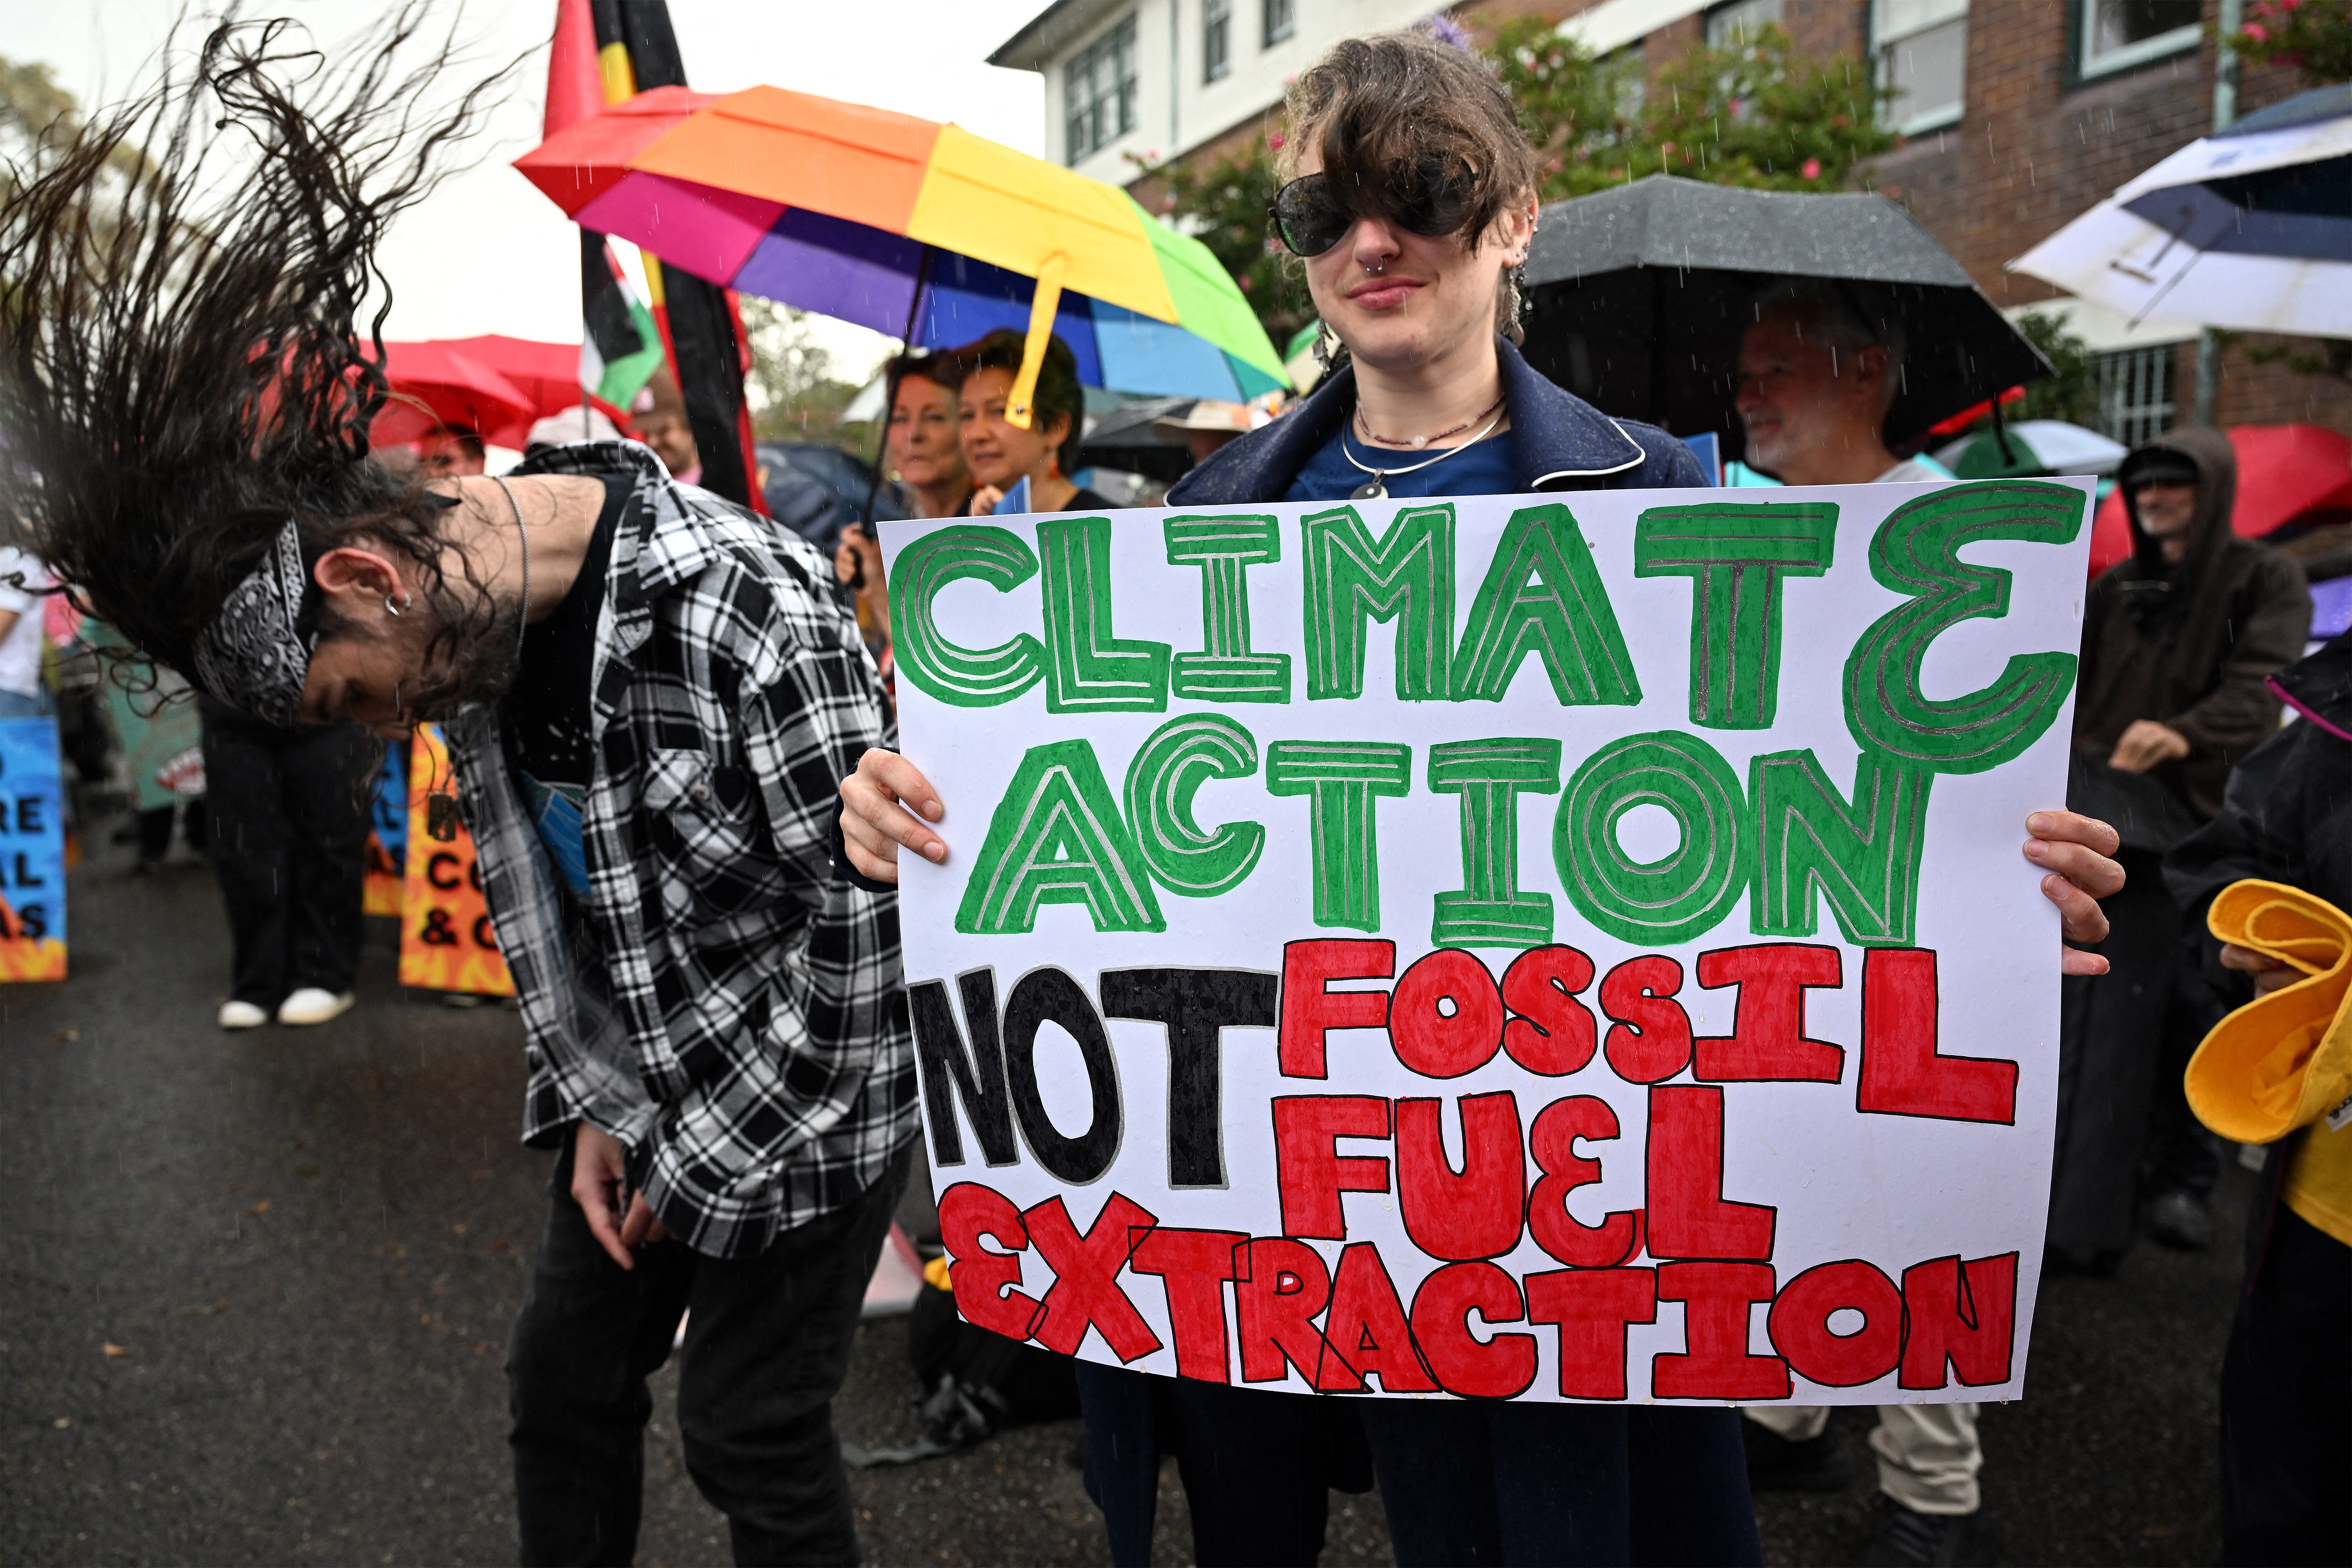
<point>2283,1060</point>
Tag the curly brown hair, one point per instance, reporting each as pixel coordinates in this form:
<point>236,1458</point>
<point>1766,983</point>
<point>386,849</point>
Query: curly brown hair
<point>1379,106</point>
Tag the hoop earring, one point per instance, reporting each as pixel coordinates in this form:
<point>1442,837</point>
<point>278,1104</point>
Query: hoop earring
<point>392,609</point>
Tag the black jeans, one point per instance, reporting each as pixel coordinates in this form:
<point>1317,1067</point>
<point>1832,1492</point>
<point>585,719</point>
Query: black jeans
<point>2287,1403</point>
<point>289,816</point>
<point>1259,1465</point>
<point>766,1347</point>
<point>1540,1485</point>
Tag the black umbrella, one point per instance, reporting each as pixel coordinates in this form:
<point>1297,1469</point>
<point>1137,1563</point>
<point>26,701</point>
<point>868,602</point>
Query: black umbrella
<point>1123,438</point>
<point>1637,295</point>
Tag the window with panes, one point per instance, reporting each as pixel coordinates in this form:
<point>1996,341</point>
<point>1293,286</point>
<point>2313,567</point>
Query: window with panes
<point>2136,392</point>
<point>1730,26</point>
<point>1281,20</point>
<point>1922,48</point>
<point>2116,34</point>
<point>1098,92</point>
<point>1216,38</point>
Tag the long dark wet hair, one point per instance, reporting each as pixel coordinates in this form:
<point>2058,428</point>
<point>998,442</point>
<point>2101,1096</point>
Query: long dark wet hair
<point>183,360</point>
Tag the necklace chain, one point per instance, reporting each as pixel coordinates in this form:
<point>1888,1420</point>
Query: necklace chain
<point>1419,442</point>
<point>522,629</point>
<point>1376,488</point>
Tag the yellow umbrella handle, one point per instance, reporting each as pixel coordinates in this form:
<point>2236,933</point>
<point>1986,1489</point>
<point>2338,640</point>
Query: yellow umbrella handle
<point>1019,407</point>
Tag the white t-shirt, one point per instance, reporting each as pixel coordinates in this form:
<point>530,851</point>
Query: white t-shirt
<point>1909,471</point>
<point>20,649</point>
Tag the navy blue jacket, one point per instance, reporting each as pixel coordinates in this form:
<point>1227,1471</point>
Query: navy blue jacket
<point>1559,442</point>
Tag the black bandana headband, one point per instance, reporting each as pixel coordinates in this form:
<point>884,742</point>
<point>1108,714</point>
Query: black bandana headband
<point>252,657</point>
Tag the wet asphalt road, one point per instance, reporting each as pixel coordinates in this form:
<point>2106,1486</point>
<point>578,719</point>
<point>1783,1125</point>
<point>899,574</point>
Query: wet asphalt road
<point>307,1247</point>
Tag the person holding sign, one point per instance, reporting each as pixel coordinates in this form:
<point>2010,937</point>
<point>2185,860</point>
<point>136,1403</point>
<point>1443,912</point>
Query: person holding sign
<point>1818,371</point>
<point>1411,201</point>
<point>715,1038</point>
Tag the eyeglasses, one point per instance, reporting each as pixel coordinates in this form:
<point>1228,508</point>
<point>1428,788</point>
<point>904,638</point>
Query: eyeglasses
<point>1428,197</point>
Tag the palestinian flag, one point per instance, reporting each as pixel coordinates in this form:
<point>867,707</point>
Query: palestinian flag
<point>619,347</point>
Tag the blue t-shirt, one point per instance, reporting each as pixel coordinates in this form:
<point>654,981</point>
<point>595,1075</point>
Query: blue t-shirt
<point>1483,469</point>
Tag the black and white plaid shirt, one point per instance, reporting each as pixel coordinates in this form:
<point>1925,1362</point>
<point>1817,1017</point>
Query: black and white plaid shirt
<point>721,1002</point>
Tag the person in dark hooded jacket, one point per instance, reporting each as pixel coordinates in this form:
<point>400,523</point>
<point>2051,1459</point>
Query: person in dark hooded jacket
<point>2286,1424</point>
<point>2178,641</point>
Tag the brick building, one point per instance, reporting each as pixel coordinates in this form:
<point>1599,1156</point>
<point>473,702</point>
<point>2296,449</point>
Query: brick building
<point>2018,114</point>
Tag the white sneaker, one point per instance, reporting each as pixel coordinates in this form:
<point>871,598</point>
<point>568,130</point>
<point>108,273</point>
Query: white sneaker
<point>312,1005</point>
<point>242,1016</point>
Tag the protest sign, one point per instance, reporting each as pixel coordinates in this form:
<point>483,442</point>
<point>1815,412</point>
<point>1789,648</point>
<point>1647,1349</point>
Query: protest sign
<point>445,941</point>
<point>385,867</point>
<point>32,852</point>
<point>1543,947</point>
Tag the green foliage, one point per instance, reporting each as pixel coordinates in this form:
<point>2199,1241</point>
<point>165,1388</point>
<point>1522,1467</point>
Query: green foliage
<point>2072,394</point>
<point>1223,202</point>
<point>2328,357</point>
<point>1580,112</point>
<point>796,391</point>
<point>2314,35</point>
<point>1757,114</point>
<point>37,114</point>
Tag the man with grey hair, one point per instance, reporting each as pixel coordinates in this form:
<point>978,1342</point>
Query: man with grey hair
<point>1816,378</point>
<point>1817,375</point>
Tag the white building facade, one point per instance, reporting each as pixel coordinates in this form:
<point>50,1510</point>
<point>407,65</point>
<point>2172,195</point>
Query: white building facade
<point>1130,83</point>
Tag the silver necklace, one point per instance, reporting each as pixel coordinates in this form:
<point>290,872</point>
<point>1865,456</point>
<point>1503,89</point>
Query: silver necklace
<point>522,629</point>
<point>1376,488</point>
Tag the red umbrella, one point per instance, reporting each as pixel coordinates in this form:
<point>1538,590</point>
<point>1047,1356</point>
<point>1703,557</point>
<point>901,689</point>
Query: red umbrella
<point>437,385</point>
<point>2284,472</point>
<point>547,373</point>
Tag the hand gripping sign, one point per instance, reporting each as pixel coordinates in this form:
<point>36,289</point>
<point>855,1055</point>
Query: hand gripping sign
<point>1523,947</point>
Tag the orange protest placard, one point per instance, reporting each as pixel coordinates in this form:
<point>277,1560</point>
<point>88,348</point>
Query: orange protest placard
<point>445,941</point>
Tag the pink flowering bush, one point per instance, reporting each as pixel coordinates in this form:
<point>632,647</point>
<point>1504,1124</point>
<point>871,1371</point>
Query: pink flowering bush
<point>2315,36</point>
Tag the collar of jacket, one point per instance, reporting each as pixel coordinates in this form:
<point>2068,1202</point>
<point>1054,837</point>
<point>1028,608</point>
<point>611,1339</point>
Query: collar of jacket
<point>2319,686</point>
<point>666,547</point>
<point>1557,438</point>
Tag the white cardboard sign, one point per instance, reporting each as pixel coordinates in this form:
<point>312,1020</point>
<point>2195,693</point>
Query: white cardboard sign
<point>1568,947</point>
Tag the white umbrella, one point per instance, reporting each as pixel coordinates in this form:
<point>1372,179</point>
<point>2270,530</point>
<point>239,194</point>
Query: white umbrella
<point>2250,231</point>
<point>2051,445</point>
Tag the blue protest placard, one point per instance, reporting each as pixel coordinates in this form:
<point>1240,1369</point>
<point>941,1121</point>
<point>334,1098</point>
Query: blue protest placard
<point>32,852</point>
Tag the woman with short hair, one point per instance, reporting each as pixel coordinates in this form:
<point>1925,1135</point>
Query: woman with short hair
<point>1000,453</point>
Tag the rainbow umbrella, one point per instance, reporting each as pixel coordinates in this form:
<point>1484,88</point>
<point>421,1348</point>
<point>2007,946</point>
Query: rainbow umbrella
<point>918,229</point>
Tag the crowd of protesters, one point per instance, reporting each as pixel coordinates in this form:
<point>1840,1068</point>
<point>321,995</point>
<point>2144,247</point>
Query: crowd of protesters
<point>674,746</point>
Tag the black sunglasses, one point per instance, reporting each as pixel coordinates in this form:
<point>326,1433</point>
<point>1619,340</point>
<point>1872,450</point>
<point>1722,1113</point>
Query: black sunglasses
<point>1429,198</point>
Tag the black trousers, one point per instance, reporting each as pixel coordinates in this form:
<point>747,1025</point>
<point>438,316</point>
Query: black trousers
<point>2287,1403</point>
<point>1549,1486</point>
<point>766,1347</point>
<point>289,816</point>
<point>1258,1465</point>
<point>2115,1032</point>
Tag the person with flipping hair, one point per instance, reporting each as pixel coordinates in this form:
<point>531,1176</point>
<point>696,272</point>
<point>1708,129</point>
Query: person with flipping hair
<point>648,693</point>
<point>1411,201</point>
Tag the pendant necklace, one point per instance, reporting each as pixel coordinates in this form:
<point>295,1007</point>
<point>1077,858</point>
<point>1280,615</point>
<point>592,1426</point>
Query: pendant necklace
<point>441,819</point>
<point>1376,488</point>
